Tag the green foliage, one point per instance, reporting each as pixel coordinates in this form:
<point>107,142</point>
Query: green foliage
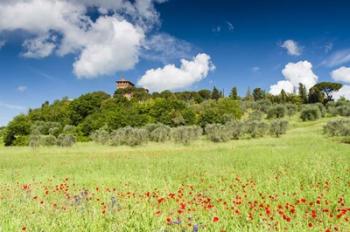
<point>186,134</point>
<point>160,133</point>
<point>262,105</point>
<point>291,109</point>
<point>256,129</point>
<point>86,105</point>
<point>215,94</point>
<point>129,136</point>
<point>278,127</point>
<point>258,94</point>
<point>234,94</point>
<point>100,136</point>
<point>303,93</point>
<point>256,115</point>
<point>311,113</point>
<point>218,133</point>
<point>276,111</point>
<point>66,140</point>
<point>18,127</point>
<point>328,88</point>
<point>236,129</point>
<point>340,127</point>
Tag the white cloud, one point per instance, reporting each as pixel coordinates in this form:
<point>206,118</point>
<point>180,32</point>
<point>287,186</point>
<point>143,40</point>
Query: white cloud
<point>171,77</point>
<point>287,86</point>
<point>109,44</point>
<point>292,47</point>
<point>337,58</point>
<point>300,72</point>
<point>113,45</point>
<point>343,92</point>
<point>22,88</point>
<point>341,74</point>
<point>39,47</point>
<point>295,73</point>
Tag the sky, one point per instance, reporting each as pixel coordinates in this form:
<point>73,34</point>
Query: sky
<point>50,49</point>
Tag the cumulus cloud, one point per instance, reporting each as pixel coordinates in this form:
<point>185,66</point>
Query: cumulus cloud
<point>39,47</point>
<point>337,58</point>
<point>292,47</point>
<point>343,92</point>
<point>300,72</point>
<point>113,46</point>
<point>171,77</point>
<point>295,73</point>
<point>287,86</point>
<point>341,74</point>
<point>106,45</point>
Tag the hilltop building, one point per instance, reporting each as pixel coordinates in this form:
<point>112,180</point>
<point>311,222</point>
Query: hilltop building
<point>128,89</point>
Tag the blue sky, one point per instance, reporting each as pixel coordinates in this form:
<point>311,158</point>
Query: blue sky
<point>243,43</point>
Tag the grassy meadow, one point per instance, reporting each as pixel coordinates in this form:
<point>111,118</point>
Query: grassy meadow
<point>299,182</point>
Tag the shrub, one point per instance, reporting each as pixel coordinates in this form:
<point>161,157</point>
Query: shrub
<point>129,136</point>
<point>340,127</point>
<point>236,129</point>
<point>256,115</point>
<point>34,140</point>
<point>310,113</point>
<point>48,140</point>
<point>160,134</point>
<point>276,111</point>
<point>218,133</point>
<point>343,110</point>
<point>256,128</point>
<point>66,140</point>
<point>291,109</point>
<point>21,140</point>
<point>100,136</point>
<point>186,134</point>
<point>278,127</point>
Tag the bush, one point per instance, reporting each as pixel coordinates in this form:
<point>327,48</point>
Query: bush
<point>65,140</point>
<point>48,140</point>
<point>276,111</point>
<point>34,140</point>
<point>310,113</point>
<point>218,133</point>
<point>256,129</point>
<point>129,136</point>
<point>236,129</point>
<point>21,140</point>
<point>160,134</point>
<point>256,115</point>
<point>100,136</point>
<point>291,109</point>
<point>186,134</point>
<point>278,127</point>
<point>340,127</point>
<point>343,110</point>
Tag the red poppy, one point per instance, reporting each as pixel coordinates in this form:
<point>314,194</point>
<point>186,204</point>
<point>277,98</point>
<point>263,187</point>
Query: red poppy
<point>215,219</point>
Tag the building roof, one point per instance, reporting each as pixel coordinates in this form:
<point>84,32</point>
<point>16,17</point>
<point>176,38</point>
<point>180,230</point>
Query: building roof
<point>123,80</point>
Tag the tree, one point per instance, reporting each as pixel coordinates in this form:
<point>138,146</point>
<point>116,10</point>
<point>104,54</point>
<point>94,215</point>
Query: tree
<point>303,93</point>
<point>19,126</point>
<point>205,94</point>
<point>328,88</point>
<point>283,96</point>
<point>258,94</point>
<point>215,94</point>
<point>248,96</point>
<point>316,95</point>
<point>234,94</point>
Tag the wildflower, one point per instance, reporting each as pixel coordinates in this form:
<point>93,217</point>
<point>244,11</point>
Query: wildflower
<point>195,228</point>
<point>24,228</point>
<point>215,219</point>
<point>310,224</point>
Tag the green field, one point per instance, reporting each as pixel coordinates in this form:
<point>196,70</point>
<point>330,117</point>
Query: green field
<point>299,182</point>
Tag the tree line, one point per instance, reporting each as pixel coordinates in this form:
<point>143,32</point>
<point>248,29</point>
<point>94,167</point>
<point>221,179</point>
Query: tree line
<point>92,111</point>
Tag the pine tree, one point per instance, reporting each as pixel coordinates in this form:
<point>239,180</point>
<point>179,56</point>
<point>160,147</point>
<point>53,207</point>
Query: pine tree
<point>234,93</point>
<point>303,93</point>
<point>215,94</point>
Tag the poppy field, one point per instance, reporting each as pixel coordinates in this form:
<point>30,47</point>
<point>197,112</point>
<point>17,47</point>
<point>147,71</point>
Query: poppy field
<point>299,182</point>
